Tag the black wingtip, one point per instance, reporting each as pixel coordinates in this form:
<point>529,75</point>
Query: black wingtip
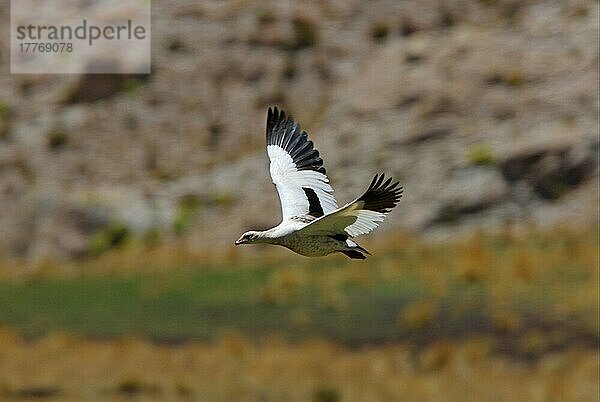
<point>284,132</point>
<point>354,254</point>
<point>274,117</point>
<point>382,196</point>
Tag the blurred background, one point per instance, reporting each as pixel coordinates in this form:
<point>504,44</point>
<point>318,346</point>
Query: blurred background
<point>121,197</point>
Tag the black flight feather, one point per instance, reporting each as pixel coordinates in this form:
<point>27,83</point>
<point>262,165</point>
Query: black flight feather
<point>282,131</point>
<point>314,205</point>
<point>381,196</point>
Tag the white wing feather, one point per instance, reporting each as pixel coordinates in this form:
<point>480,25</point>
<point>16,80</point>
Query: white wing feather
<point>350,219</point>
<point>361,215</point>
<point>290,181</point>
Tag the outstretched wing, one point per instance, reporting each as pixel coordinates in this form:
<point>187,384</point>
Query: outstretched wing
<point>296,169</point>
<point>361,215</point>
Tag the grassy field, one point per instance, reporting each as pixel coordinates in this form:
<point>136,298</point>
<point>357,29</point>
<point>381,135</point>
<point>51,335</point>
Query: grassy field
<point>518,310</point>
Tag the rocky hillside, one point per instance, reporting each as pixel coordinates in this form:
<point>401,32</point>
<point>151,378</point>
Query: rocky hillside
<point>487,111</point>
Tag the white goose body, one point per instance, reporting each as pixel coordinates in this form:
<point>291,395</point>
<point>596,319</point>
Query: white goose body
<point>313,225</point>
<point>289,235</point>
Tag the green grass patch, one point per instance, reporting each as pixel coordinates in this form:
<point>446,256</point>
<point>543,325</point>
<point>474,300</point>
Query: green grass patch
<point>194,304</point>
<point>414,292</point>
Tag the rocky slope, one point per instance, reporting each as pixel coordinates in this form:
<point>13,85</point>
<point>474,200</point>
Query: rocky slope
<point>486,111</point>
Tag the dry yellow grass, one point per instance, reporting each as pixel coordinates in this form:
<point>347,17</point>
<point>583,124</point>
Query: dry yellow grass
<point>556,269</point>
<point>61,367</point>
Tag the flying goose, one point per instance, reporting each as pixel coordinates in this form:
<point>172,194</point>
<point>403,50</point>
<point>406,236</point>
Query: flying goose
<point>312,224</point>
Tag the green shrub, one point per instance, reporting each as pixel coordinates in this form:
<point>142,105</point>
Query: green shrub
<point>380,31</point>
<point>266,17</point>
<point>57,139</point>
<point>305,34</point>
<point>4,112</point>
<point>114,235</point>
<point>188,208</point>
<point>480,154</point>
<point>326,395</point>
<point>152,237</point>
